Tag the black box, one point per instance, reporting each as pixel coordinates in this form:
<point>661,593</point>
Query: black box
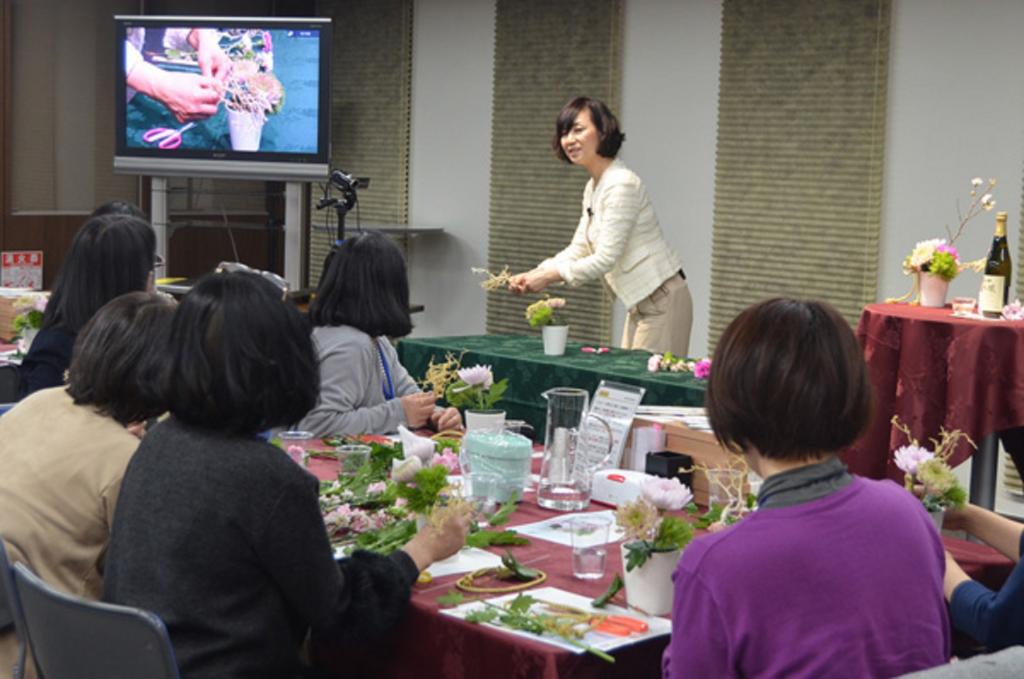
<point>668,464</point>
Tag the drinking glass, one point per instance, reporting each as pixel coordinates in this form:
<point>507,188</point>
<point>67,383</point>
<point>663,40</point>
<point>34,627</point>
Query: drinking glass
<point>483,491</point>
<point>295,443</point>
<point>589,546</point>
<point>725,486</point>
<point>963,306</point>
<point>352,457</point>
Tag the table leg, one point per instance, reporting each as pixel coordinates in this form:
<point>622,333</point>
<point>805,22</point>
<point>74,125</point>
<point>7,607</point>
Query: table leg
<point>984,465</point>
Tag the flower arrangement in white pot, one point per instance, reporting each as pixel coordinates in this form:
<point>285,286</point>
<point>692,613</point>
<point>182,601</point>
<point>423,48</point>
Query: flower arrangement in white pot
<point>545,314</point>
<point>252,91</point>
<point>477,393</point>
<point>928,474</point>
<point>654,541</point>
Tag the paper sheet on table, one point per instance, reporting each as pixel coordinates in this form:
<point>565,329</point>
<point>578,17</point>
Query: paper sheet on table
<point>467,559</point>
<point>656,626</point>
<point>556,529</point>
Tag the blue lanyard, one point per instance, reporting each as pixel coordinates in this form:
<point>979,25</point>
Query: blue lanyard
<point>387,387</point>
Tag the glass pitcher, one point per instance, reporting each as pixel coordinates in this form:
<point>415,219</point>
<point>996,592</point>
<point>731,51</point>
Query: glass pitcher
<point>576,444</point>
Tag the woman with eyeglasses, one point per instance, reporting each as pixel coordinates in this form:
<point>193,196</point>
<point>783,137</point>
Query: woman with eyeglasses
<point>618,238</point>
<point>112,253</point>
<point>217,531</point>
<point>362,303</point>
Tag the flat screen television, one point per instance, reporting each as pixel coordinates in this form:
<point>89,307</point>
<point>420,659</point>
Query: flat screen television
<point>223,97</point>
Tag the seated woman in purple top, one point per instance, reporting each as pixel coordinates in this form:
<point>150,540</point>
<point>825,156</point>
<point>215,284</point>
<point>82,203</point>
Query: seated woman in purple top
<point>833,575</point>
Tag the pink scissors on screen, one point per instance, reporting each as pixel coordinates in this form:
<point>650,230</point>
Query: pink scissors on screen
<point>168,138</point>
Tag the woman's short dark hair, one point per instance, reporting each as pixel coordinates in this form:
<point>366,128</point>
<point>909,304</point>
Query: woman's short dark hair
<point>788,378</point>
<point>119,356</point>
<point>110,255</point>
<point>365,286</point>
<point>604,120</point>
<point>241,360</point>
<point>120,207</point>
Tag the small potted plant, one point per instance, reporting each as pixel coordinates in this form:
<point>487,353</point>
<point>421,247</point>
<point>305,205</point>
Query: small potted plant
<point>653,543</point>
<point>28,318</point>
<point>477,393</point>
<point>252,91</point>
<point>928,474</point>
<point>545,314</point>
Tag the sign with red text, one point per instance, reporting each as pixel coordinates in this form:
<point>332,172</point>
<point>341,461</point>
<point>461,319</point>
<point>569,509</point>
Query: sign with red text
<point>22,269</point>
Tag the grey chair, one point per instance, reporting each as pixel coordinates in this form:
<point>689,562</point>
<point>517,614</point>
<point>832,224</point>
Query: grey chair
<point>73,638</point>
<point>9,612</point>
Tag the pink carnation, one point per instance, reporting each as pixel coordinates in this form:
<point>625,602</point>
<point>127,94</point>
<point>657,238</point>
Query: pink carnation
<point>908,458</point>
<point>948,249</point>
<point>666,493</point>
<point>654,363</point>
<point>702,369</point>
<point>376,488</point>
<point>448,459</point>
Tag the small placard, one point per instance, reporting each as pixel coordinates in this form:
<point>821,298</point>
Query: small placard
<point>614,406</point>
<point>22,269</point>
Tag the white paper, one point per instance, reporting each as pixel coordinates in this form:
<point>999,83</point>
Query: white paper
<point>557,530</point>
<point>615,404</point>
<point>466,560</point>
<point>656,626</point>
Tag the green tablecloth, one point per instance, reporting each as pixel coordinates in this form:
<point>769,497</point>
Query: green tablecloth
<point>521,359</point>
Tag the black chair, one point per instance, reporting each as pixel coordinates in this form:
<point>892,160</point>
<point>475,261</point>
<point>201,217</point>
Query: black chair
<point>73,638</point>
<point>9,612</point>
<point>9,380</point>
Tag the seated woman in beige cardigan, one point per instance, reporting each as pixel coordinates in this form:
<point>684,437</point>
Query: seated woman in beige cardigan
<point>618,237</point>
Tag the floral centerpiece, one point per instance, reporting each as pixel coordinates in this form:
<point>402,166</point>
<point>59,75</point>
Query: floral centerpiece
<point>252,91</point>
<point>653,541</point>
<point>545,312</point>
<point>475,388</point>
<point>668,362</point>
<point>935,262</point>
<point>28,318</point>
<point>927,472</point>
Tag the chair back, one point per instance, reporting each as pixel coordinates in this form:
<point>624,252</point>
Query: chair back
<point>74,638</point>
<point>9,611</point>
<point>10,380</point>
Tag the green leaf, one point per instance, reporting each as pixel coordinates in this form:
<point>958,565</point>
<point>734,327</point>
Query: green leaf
<point>494,394</point>
<point>673,533</point>
<point>613,589</point>
<point>692,508</point>
<point>637,553</point>
<point>500,517</point>
<point>452,598</point>
<point>521,604</point>
<point>482,615</point>
<point>709,517</point>
<point>517,570</point>
<point>487,538</point>
<point>423,493</point>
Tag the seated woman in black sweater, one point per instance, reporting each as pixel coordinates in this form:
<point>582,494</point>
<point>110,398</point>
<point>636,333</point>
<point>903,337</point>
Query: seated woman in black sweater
<point>220,533</point>
<point>112,253</point>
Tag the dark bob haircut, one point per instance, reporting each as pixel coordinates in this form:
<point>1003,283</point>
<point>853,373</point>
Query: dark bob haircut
<point>110,255</point>
<point>120,207</point>
<point>118,357</point>
<point>788,379</point>
<point>604,120</point>
<point>242,360</point>
<point>365,286</point>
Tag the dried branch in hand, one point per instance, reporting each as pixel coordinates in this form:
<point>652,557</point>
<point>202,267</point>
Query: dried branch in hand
<point>494,281</point>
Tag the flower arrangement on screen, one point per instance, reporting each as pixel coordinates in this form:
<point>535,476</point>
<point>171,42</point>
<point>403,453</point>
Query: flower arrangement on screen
<point>252,86</point>
<point>546,312</point>
<point>939,256</point>
<point>647,529</point>
<point>668,362</point>
<point>475,388</point>
<point>929,470</point>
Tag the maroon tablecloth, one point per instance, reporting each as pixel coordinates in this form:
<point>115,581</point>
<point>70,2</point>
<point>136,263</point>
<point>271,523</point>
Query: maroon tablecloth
<point>934,370</point>
<point>429,644</point>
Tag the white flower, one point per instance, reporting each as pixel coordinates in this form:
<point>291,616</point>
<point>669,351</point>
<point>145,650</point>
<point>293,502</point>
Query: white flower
<point>478,375</point>
<point>987,202</point>
<point>976,182</point>
<point>404,471</point>
<point>908,458</point>
<point>666,493</point>
<point>923,252</point>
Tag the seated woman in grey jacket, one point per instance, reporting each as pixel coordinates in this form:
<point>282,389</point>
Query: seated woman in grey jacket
<point>363,300</point>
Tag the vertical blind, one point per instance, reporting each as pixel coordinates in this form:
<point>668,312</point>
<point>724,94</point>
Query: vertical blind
<point>798,172</point>
<point>371,80</point>
<point>546,52</point>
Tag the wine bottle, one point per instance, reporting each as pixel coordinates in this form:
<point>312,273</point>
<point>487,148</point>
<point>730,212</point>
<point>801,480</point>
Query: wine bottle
<point>995,286</point>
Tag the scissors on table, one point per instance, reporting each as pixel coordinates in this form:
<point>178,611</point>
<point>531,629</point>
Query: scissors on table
<point>614,625</point>
<point>169,138</point>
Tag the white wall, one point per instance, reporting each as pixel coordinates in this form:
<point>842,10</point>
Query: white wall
<point>449,169</point>
<point>956,110</point>
<point>670,115</point>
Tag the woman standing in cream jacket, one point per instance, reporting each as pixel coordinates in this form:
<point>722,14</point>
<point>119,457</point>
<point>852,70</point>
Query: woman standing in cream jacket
<point>618,237</point>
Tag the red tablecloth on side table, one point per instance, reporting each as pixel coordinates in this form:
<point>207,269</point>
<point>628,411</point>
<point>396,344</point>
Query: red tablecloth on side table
<point>934,370</point>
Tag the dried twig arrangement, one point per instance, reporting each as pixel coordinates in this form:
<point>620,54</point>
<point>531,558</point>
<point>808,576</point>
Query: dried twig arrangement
<point>943,446</point>
<point>494,281</point>
<point>440,375</point>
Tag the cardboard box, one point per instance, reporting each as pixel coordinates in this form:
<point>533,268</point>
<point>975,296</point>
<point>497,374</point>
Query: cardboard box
<point>6,318</point>
<point>700,445</point>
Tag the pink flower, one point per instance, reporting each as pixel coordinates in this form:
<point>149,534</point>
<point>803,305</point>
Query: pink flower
<point>1013,311</point>
<point>478,375</point>
<point>666,493</point>
<point>298,454</point>
<point>376,488</point>
<point>448,459</point>
<point>702,369</point>
<point>908,458</point>
<point>948,249</point>
<point>401,502</point>
<point>40,303</point>
<point>654,363</point>
<point>268,44</point>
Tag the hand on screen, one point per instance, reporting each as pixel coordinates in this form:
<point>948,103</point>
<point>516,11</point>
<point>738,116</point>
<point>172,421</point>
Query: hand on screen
<point>213,62</point>
<point>189,96</point>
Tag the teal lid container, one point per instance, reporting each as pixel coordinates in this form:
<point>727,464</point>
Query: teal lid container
<point>503,453</point>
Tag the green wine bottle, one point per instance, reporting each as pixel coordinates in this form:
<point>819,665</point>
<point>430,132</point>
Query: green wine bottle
<point>995,286</point>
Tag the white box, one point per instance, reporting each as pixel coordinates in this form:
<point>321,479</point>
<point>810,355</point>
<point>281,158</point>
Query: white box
<point>617,486</point>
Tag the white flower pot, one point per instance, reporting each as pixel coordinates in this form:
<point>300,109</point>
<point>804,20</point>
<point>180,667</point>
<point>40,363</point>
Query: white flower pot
<point>245,128</point>
<point>933,290</point>
<point>555,337</point>
<point>938,516</point>
<point>485,420</point>
<point>649,587</point>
